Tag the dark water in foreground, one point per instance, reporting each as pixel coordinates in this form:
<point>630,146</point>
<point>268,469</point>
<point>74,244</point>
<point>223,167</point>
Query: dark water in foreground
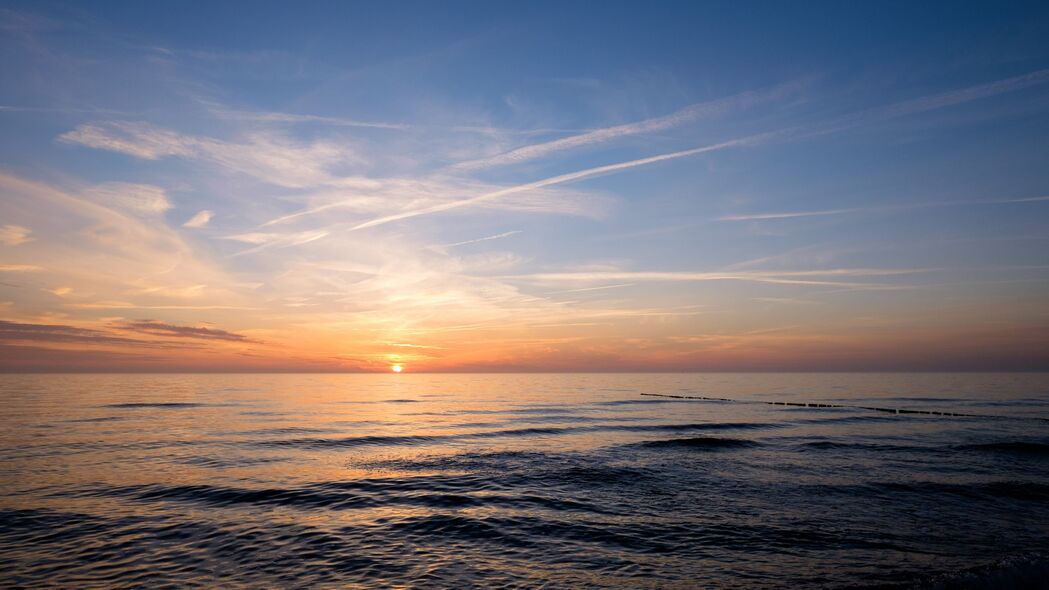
<point>498,481</point>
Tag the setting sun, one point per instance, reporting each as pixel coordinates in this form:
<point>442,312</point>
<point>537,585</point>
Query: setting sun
<point>396,368</point>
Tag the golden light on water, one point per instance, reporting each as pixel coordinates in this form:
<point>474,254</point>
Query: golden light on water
<point>396,368</point>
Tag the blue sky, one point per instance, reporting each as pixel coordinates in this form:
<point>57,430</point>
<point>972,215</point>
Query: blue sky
<point>524,186</point>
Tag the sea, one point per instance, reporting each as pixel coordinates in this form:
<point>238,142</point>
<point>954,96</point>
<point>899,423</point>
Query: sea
<point>524,481</point>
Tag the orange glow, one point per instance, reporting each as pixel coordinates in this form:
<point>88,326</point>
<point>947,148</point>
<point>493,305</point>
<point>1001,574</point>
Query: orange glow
<point>397,368</point>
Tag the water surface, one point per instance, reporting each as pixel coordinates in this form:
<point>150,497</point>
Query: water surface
<point>521,481</point>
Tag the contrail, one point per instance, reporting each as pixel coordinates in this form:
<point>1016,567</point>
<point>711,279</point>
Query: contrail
<point>484,239</point>
<point>683,116</point>
<point>563,178</point>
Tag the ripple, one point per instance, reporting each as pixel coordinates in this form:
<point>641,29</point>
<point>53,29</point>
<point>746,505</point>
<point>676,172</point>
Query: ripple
<point>556,485</point>
<point>158,405</point>
<point>416,439</point>
<point>362,494</point>
<point>1039,449</point>
<point>699,443</point>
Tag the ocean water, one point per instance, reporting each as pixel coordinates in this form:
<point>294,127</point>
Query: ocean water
<point>523,481</point>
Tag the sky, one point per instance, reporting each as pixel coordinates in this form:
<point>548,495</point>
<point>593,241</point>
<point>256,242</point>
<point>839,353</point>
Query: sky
<point>538,186</point>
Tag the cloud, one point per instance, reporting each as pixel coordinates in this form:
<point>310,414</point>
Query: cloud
<point>201,219</point>
<point>129,305</point>
<point>689,114</point>
<point>20,268</point>
<point>788,215</point>
<point>276,240</point>
<point>827,212</point>
<point>484,239</point>
<point>275,117</point>
<point>174,291</point>
<point>601,288</point>
<point>57,333</point>
<point>296,118</point>
<point>98,242</point>
<point>139,140</point>
<point>390,196</point>
<point>142,199</point>
<point>155,328</point>
<point>267,157</point>
<point>954,97</point>
<point>23,22</point>
<point>25,358</point>
<point>563,178</point>
<point>866,117</point>
<point>803,277</point>
<point>928,103</point>
<point>65,334</point>
<point>14,235</point>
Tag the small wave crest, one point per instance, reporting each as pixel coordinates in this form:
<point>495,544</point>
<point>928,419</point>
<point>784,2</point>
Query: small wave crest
<point>699,443</point>
<point>157,405</point>
<point>1019,572</point>
<point>1040,449</point>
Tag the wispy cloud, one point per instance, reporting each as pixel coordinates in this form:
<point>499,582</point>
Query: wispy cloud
<point>371,197</point>
<point>928,103</point>
<point>268,157</point>
<point>105,247</point>
<point>789,215</point>
<point>155,328</point>
<point>58,333</point>
<point>275,117</point>
<point>140,140</point>
<point>297,188</point>
<point>564,178</point>
<point>14,235</point>
<point>964,95</point>
<point>601,288</point>
<point>689,114</point>
<point>484,239</point>
<point>265,241</point>
<point>895,110</point>
<point>129,305</point>
<point>20,268</point>
<point>902,206</point>
<point>200,219</point>
<point>802,277</point>
<point>142,199</point>
<point>302,118</point>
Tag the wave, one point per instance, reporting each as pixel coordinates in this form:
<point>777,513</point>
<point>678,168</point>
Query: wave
<point>511,411</point>
<point>354,441</point>
<point>100,419</point>
<point>528,531</point>
<point>1040,449</point>
<point>361,494</point>
<point>855,419</point>
<point>228,461</point>
<point>1018,571</point>
<point>827,445</point>
<point>414,439</point>
<point>699,443</point>
<point>698,426</point>
<point>285,430</point>
<point>639,402</point>
<point>1014,490</point>
<point>523,468</point>
<point>158,405</point>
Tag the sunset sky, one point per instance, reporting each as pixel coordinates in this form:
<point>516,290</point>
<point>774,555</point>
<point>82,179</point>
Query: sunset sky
<point>501,186</point>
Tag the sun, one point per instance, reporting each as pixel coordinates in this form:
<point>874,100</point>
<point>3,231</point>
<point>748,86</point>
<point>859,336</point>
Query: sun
<point>396,368</point>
